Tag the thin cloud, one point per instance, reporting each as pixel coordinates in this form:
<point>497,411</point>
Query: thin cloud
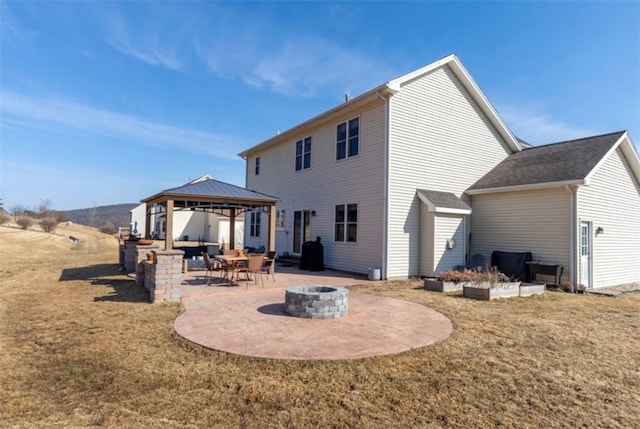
<point>156,42</point>
<point>300,67</point>
<point>539,128</point>
<point>152,55</point>
<point>69,116</point>
<point>242,45</point>
<point>11,26</point>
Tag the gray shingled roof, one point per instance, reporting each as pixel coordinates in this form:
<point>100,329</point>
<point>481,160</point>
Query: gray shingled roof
<point>444,199</point>
<point>558,162</point>
<point>216,189</point>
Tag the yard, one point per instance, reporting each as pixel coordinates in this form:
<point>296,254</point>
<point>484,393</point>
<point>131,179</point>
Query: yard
<point>81,347</point>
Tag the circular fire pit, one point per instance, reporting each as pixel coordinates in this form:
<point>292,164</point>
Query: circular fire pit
<point>316,302</point>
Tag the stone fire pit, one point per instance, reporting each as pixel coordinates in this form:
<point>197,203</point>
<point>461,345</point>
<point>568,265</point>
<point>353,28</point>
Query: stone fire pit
<point>316,302</point>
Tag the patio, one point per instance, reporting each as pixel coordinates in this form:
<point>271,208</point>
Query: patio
<point>252,322</point>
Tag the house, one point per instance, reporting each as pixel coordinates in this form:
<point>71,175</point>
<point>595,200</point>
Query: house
<point>407,176</point>
<point>575,203</point>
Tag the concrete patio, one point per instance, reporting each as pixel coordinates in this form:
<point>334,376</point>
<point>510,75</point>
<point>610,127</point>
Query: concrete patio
<point>252,322</point>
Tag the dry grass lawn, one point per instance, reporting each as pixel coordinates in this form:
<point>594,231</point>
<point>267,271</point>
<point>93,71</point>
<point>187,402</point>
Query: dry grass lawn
<point>81,347</point>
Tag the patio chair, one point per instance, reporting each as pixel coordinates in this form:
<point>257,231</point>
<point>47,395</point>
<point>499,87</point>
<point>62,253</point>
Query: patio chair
<point>269,265</point>
<point>208,266</point>
<point>253,266</point>
<point>476,262</point>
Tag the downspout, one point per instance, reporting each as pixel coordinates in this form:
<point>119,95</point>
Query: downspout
<point>573,240</point>
<point>385,196</point>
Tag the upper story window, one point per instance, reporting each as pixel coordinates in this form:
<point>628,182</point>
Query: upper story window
<point>257,165</point>
<point>303,154</point>
<point>348,139</point>
<point>255,225</point>
<point>346,226</point>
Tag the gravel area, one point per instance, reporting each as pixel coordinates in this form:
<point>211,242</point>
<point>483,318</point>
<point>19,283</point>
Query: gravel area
<point>627,287</point>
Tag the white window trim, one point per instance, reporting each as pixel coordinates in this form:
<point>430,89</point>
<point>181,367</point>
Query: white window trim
<point>346,123</point>
<point>346,224</point>
<point>302,167</point>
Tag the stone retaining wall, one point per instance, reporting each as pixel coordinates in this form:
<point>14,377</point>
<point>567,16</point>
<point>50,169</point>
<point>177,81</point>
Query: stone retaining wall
<point>141,257</point>
<point>163,276</point>
<point>135,253</point>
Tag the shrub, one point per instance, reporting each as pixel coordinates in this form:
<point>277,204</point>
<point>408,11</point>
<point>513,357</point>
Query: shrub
<point>108,228</point>
<point>457,276</point>
<point>48,224</point>
<point>25,222</point>
<point>4,218</point>
<point>491,275</point>
<point>60,216</point>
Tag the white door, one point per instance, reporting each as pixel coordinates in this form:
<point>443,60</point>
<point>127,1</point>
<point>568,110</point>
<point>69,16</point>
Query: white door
<point>585,253</point>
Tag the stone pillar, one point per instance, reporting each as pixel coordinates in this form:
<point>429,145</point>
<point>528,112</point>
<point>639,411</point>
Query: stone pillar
<point>130,255</point>
<point>121,265</point>
<point>164,276</point>
<point>141,257</point>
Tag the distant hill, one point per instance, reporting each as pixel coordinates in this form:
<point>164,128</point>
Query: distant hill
<point>118,214</point>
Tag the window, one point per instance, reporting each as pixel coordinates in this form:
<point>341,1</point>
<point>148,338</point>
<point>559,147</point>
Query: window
<point>303,154</point>
<point>347,139</point>
<point>257,165</point>
<point>255,224</point>
<point>346,223</point>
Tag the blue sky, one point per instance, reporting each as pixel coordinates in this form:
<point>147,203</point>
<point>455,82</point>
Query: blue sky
<point>111,102</point>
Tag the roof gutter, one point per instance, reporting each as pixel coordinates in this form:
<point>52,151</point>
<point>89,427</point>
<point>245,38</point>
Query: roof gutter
<point>360,100</point>
<point>528,187</point>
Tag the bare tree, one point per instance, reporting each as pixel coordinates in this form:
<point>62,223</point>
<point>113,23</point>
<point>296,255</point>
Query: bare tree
<point>48,224</point>
<point>44,209</point>
<point>93,212</point>
<point>25,222</point>
<point>17,210</point>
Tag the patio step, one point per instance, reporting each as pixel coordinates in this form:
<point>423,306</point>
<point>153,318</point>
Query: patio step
<point>288,261</point>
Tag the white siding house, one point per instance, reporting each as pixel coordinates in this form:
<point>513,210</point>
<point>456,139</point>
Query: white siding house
<point>429,129</point>
<point>575,204</point>
<point>610,209</point>
<point>413,177</point>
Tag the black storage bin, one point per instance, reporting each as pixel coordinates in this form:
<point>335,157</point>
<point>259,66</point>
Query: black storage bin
<point>512,264</point>
<point>312,256</point>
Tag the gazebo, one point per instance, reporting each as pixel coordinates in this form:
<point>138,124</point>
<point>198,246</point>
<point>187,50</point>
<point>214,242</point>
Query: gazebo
<point>212,196</point>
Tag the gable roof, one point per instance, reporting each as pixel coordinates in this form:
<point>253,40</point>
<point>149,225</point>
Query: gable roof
<point>210,189</point>
<point>566,163</point>
<point>391,87</point>
<point>443,202</point>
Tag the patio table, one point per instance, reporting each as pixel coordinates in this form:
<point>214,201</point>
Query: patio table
<point>232,263</point>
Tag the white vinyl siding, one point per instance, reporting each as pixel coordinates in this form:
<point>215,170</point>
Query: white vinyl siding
<point>612,202</point>
<point>360,180</point>
<point>529,221</point>
<point>441,140</point>
<point>427,241</point>
<point>436,229</point>
<point>449,227</point>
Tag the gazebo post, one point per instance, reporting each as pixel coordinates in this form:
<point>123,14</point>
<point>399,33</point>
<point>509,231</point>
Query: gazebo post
<point>147,221</point>
<point>232,228</point>
<point>272,229</point>
<point>168,235</point>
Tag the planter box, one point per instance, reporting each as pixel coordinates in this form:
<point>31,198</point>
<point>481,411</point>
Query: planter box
<point>531,289</point>
<point>484,291</point>
<point>440,286</point>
